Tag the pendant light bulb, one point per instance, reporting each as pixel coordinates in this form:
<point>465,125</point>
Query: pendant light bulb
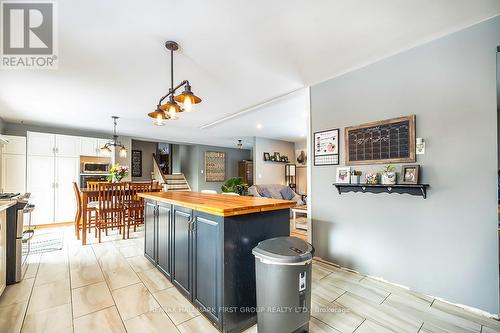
<point>172,112</point>
<point>188,106</point>
<point>159,121</point>
<point>123,152</point>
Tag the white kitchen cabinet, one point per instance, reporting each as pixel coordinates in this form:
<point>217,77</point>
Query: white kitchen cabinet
<point>13,173</point>
<point>41,184</point>
<point>67,145</point>
<point>88,146</point>
<point>3,251</point>
<point>16,145</point>
<point>67,172</point>
<point>41,144</point>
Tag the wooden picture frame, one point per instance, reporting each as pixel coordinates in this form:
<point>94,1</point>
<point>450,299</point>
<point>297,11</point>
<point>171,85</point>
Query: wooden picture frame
<point>267,157</point>
<point>355,136</point>
<point>410,174</point>
<point>136,163</point>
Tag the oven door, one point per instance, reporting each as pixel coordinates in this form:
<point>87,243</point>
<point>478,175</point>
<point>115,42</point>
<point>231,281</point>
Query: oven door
<point>91,178</point>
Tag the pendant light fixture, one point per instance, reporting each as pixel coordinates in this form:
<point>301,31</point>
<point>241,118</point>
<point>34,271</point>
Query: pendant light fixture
<point>106,149</point>
<point>171,108</point>
<point>239,145</point>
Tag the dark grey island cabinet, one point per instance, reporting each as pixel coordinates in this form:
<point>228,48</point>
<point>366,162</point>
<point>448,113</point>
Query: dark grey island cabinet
<point>207,253</point>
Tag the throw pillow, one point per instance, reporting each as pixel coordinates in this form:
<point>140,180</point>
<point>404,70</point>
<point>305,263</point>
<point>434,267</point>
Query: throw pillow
<point>265,193</point>
<point>287,193</point>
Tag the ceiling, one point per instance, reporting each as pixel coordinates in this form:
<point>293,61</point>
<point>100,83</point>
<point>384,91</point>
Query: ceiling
<point>236,55</point>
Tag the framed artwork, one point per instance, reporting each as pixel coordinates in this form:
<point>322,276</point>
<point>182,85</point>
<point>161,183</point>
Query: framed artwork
<point>136,163</point>
<point>381,142</point>
<point>326,147</point>
<point>267,157</point>
<point>301,157</point>
<point>277,156</point>
<point>215,166</point>
<point>410,174</point>
<point>343,175</point>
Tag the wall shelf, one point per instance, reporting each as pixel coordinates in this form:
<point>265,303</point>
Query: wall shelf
<point>412,189</point>
<point>279,162</point>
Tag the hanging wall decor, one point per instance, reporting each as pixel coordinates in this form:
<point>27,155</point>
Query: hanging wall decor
<point>215,166</point>
<point>136,163</point>
<point>326,147</point>
<point>386,141</point>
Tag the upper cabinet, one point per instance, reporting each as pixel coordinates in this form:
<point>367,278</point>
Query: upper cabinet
<point>67,146</point>
<point>41,144</point>
<point>16,145</point>
<point>88,146</point>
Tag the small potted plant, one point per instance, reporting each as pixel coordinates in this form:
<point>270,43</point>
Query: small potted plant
<point>235,185</point>
<point>372,178</point>
<point>355,177</point>
<point>389,175</point>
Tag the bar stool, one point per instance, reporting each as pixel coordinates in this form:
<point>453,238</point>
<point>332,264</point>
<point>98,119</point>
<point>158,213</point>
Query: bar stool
<point>111,208</point>
<point>135,205</point>
<point>91,208</point>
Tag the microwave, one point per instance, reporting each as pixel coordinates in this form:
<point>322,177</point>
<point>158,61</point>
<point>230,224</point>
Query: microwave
<point>93,167</point>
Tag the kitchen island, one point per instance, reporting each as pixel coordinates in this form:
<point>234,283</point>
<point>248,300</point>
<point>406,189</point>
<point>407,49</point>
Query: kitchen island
<point>203,243</point>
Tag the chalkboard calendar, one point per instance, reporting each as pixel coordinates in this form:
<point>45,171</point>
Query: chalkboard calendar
<point>386,141</point>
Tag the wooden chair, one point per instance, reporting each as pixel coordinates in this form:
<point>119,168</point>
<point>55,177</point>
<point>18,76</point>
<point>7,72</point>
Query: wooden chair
<point>91,208</point>
<point>94,185</point>
<point>135,205</point>
<point>111,208</point>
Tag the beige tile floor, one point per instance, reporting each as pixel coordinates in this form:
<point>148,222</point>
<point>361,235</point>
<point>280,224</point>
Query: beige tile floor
<point>111,287</point>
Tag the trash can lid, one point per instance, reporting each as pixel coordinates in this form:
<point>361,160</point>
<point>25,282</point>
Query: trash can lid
<point>284,250</point>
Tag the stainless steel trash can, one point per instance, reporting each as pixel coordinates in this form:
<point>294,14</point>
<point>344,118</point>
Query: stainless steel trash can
<point>283,280</point>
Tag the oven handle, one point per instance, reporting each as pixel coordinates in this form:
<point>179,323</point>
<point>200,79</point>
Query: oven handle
<point>31,234</point>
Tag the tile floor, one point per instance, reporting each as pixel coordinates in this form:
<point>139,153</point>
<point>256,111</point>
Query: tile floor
<point>111,287</point>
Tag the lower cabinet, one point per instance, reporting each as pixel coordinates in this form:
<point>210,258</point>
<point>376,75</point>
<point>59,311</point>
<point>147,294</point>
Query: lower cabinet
<point>163,239</point>
<point>181,249</point>
<point>150,230</point>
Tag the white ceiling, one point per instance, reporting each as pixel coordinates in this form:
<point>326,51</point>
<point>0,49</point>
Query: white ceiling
<point>235,53</point>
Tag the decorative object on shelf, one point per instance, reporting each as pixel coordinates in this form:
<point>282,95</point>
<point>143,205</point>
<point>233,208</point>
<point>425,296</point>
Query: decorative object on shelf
<point>239,145</point>
<point>412,189</point>
<point>215,166</point>
<point>136,163</point>
<point>267,157</point>
<point>420,146</point>
<point>372,178</point>
<point>234,185</point>
<point>117,173</point>
<point>389,175</point>
<point>106,149</point>
<point>291,175</point>
<point>410,174</point>
<point>170,109</point>
<point>284,159</point>
<point>326,147</point>
<point>343,175</point>
<point>386,141</point>
<point>277,157</point>
<point>301,157</point>
<point>355,177</point>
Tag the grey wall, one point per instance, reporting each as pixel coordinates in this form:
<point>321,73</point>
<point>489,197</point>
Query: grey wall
<point>269,172</point>
<point>446,245</point>
<point>148,149</point>
<point>190,160</point>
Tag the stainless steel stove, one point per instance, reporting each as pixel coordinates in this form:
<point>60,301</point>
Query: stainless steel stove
<point>19,233</point>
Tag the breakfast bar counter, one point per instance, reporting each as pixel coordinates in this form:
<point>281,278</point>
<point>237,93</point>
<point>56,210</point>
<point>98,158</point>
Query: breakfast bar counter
<point>203,243</point>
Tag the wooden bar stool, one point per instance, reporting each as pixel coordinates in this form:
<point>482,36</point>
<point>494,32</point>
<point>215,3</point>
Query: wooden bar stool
<point>91,211</point>
<point>135,205</point>
<point>111,208</point>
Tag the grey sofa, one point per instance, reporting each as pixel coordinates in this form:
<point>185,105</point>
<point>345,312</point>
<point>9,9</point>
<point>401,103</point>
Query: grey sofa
<point>274,190</point>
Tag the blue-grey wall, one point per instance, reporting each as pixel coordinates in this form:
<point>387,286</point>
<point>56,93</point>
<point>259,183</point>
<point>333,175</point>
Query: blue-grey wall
<point>446,245</point>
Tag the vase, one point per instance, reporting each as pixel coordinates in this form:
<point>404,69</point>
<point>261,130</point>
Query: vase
<point>389,178</point>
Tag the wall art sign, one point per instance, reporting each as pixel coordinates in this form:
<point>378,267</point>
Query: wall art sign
<point>215,166</point>
<point>386,141</point>
<point>136,163</point>
<point>326,147</point>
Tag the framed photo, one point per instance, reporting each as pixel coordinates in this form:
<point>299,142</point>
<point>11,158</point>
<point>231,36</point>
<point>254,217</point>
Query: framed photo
<point>343,175</point>
<point>326,147</point>
<point>267,157</point>
<point>277,156</point>
<point>409,174</point>
<point>136,163</point>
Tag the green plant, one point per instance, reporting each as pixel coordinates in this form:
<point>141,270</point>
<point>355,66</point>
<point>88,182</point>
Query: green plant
<point>389,168</point>
<point>235,185</point>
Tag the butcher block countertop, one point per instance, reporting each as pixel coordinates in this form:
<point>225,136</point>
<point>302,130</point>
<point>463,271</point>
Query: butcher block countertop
<point>219,204</point>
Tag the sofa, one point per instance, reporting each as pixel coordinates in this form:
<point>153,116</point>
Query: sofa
<point>273,191</point>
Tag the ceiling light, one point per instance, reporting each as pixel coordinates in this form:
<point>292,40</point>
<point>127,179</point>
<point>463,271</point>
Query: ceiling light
<point>187,98</point>
<point>106,149</point>
<point>259,126</point>
<point>239,145</point>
